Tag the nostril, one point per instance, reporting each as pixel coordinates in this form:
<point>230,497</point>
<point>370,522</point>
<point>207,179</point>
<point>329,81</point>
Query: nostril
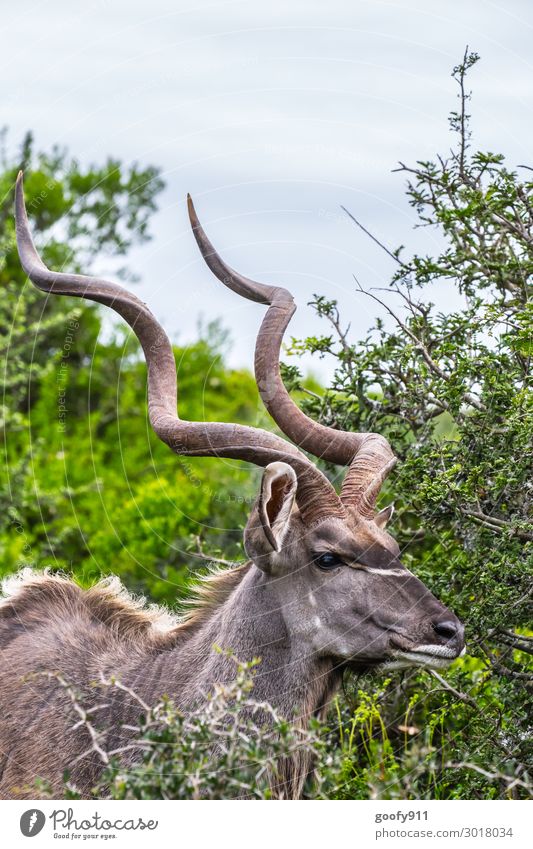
<point>446,630</point>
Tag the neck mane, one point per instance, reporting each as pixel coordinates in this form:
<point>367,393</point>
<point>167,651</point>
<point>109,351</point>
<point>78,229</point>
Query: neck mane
<point>208,594</point>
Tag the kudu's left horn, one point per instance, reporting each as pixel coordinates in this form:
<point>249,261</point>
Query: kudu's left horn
<point>316,497</point>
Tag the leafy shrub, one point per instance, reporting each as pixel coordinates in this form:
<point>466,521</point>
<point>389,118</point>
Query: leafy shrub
<point>452,392</point>
<point>229,747</point>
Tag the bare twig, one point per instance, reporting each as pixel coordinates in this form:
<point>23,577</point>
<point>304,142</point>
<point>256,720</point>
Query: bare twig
<point>419,345</point>
<point>505,670</point>
<point>463,118</point>
<point>521,637</point>
<point>464,697</point>
<point>494,524</point>
<point>374,238</point>
<point>493,776</point>
<point>209,558</point>
<point>84,718</point>
<point>114,682</point>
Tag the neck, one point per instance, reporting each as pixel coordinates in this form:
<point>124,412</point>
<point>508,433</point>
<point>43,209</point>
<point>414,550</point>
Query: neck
<point>247,621</point>
<point>249,624</point>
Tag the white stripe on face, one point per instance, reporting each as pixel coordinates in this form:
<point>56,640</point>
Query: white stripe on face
<point>397,572</point>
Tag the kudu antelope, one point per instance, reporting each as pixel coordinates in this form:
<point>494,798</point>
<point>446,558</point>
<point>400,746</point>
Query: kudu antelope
<point>323,590</point>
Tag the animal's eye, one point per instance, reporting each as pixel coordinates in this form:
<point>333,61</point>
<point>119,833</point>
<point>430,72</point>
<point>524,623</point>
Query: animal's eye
<point>327,561</point>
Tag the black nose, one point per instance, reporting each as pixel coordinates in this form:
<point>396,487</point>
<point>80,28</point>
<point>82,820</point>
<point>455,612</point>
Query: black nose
<point>448,630</point>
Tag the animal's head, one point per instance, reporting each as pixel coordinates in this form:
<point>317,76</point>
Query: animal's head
<point>339,580</point>
<point>342,588</point>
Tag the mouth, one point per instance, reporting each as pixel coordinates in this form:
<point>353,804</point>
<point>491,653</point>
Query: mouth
<point>432,657</point>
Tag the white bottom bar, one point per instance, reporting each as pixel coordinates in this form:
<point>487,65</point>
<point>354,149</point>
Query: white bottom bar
<point>255,825</point>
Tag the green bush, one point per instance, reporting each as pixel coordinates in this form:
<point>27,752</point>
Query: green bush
<point>230,747</point>
<point>452,392</point>
<point>86,487</point>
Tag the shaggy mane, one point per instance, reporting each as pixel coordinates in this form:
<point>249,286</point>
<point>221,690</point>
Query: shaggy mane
<point>209,592</point>
<point>32,598</point>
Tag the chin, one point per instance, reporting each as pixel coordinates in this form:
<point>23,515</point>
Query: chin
<point>361,665</point>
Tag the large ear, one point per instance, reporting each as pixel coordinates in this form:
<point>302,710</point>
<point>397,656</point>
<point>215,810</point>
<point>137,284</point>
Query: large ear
<point>269,521</point>
<point>384,516</point>
<point>278,490</point>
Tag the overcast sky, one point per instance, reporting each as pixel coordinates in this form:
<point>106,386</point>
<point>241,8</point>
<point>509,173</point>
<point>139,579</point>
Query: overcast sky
<point>271,114</point>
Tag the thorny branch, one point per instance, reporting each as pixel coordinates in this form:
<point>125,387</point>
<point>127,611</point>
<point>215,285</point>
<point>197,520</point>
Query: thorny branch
<point>392,255</point>
<point>209,558</point>
<point>84,718</point>
<point>509,780</point>
<point>419,346</point>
